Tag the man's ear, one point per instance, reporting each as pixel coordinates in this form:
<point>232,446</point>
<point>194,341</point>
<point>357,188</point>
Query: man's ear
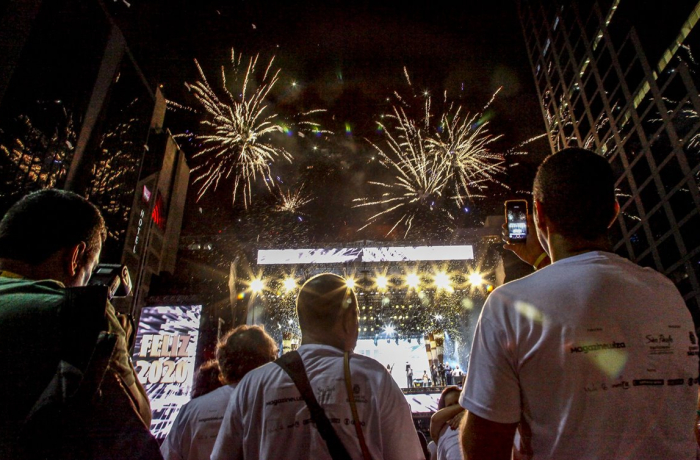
<point>615,214</point>
<point>75,258</point>
<point>539,215</point>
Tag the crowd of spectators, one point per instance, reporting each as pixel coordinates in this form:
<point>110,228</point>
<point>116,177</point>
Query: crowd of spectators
<point>591,356</point>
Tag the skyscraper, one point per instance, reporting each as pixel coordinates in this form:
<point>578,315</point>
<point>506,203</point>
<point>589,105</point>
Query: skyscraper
<point>619,77</point>
<point>77,112</point>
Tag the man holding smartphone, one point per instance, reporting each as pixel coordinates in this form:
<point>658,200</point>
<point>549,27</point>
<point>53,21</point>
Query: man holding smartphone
<point>589,357</point>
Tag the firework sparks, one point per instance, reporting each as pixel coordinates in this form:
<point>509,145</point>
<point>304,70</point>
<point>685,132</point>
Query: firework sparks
<point>463,142</point>
<point>238,128</point>
<point>293,200</point>
<point>431,163</point>
<point>421,175</point>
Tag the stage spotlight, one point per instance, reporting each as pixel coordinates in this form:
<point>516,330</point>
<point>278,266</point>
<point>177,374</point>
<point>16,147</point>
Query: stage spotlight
<point>257,285</point>
<point>442,281</point>
<point>412,280</point>
<point>350,283</point>
<point>290,284</point>
<point>389,330</point>
<point>475,279</point>
<point>381,283</point>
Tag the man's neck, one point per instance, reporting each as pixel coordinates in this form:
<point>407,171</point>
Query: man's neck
<point>26,270</point>
<point>562,248</point>
<point>22,269</point>
<point>311,339</point>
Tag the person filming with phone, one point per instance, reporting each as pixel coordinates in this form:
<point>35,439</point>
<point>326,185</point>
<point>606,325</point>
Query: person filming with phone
<point>587,357</point>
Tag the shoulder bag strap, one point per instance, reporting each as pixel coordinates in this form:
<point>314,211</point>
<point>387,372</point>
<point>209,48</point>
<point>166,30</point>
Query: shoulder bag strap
<point>353,406</point>
<point>292,364</point>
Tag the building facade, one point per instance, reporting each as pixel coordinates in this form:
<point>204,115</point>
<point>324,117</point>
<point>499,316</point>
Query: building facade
<point>77,112</point>
<point>619,77</point>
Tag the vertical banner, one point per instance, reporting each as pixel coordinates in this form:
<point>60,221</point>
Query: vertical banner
<point>164,353</point>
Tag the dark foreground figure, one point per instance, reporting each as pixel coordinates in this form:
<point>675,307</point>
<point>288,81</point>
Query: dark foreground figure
<point>68,388</point>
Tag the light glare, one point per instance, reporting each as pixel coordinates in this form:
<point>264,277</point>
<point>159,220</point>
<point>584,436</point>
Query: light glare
<point>257,285</point>
<point>475,279</point>
<point>412,280</point>
<point>290,284</point>
<point>442,281</point>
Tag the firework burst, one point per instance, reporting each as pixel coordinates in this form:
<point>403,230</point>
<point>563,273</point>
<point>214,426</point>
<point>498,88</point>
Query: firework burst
<point>237,128</point>
<point>292,200</point>
<point>463,142</point>
<point>432,163</point>
<point>420,174</point>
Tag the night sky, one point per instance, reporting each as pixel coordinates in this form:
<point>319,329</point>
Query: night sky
<point>348,58</point>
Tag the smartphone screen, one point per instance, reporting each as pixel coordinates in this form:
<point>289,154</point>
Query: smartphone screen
<point>516,218</point>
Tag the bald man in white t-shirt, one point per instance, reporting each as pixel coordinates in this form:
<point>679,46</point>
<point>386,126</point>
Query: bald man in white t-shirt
<point>267,418</point>
<point>591,356</point>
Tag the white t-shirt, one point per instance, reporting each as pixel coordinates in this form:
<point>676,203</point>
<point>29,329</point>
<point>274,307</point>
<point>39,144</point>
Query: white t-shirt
<point>596,358</point>
<point>448,445</point>
<point>196,426</point>
<point>267,418</point>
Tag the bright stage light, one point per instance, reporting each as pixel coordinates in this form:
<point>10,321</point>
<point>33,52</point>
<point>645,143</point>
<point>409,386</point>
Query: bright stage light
<point>350,283</point>
<point>412,280</point>
<point>475,279</point>
<point>389,330</point>
<point>257,285</point>
<point>442,281</point>
<point>381,282</point>
<point>290,284</point>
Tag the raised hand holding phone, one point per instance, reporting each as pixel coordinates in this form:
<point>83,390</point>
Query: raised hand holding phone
<point>528,250</point>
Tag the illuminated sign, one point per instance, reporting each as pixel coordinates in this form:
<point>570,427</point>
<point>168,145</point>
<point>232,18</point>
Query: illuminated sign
<point>158,214</point>
<point>164,353</point>
<point>146,196</point>
<point>387,254</point>
<point>139,226</point>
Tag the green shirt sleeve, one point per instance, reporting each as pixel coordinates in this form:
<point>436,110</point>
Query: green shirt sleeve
<point>120,359</point>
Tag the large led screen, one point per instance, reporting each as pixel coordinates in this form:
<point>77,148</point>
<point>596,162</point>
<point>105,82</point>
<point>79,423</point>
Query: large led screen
<point>344,255</point>
<point>164,353</point>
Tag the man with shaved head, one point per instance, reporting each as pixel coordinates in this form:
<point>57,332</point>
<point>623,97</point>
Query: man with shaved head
<point>269,415</point>
<point>591,356</point>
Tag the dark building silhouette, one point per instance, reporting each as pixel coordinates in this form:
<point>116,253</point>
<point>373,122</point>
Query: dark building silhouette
<point>620,77</point>
<point>77,112</point>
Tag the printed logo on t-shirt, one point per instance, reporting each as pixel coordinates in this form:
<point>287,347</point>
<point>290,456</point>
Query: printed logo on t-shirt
<point>597,346</point>
<point>648,382</point>
<point>659,344</point>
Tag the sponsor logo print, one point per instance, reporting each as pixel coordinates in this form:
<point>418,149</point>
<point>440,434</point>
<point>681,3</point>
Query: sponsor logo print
<point>625,385</point>
<point>648,382</point>
<point>597,347</point>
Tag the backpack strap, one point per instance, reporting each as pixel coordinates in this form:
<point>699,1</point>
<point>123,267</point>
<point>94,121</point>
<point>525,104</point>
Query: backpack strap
<point>292,364</point>
<point>351,398</point>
